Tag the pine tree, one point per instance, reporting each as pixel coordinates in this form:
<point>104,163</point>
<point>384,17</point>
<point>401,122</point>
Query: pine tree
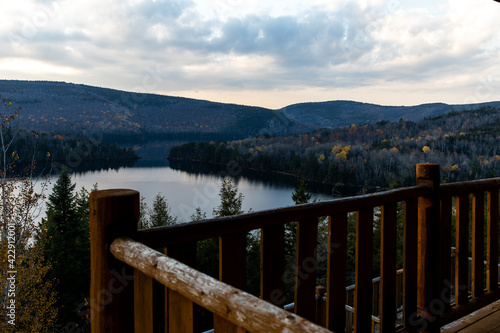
<point>68,248</point>
<point>143,214</point>
<point>231,204</point>
<point>301,195</point>
<point>231,200</point>
<point>160,214</point>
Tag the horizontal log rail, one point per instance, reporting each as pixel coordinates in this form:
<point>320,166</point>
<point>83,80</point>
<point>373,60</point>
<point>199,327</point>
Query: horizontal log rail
<point>431,296</point>
<point>471,186</point>
<point>235,305</point>
<point>200,230</point>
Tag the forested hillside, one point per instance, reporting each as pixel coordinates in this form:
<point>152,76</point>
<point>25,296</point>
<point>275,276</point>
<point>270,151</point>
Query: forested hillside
<point>345,113</point>
<point>124,116</point>
<point>466,144</point>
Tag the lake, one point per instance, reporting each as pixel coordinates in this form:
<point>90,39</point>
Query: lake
<point>187,186</point>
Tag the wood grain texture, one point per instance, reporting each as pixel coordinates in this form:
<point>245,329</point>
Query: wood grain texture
<point>143,302</point>
<point>428,243</point>
<point>181,315</point>
<point>232,304</point>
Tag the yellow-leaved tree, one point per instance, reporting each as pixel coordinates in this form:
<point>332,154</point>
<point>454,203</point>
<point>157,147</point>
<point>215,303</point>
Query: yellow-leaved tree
<point>26,294</point>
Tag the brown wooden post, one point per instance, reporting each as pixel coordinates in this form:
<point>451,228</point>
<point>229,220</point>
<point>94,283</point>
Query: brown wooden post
<point>272,259</point>
<point>336,273</point>
<point>445,262</point>
<point>428,247</point>
<point>181,314</point>
<point>113,213</point>
<point>462,250</point>
<point>363,294</point>
<point>305,268</point>
<point>143,302</point>
<point>410,260</point>
<point>387,296</point>
<point>478,244</point>
<point>320,306</point>
<point>232,270</point>
<point>492,241</point>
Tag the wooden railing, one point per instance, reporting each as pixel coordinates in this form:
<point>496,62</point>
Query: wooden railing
<point>120,254</point>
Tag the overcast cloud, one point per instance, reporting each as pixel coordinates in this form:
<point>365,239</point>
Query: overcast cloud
<point>266,53</point>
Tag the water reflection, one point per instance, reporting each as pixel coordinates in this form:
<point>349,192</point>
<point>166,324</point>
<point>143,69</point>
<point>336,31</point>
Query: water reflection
<point>188,186</point>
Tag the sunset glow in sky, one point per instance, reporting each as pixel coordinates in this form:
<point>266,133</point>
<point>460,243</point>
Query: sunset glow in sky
<point>264,53</point>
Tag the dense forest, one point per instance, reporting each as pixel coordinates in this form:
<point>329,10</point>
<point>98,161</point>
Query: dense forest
<point>69,150</point>
<point>466,144</point>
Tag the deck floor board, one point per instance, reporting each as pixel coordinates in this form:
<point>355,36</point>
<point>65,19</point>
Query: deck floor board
<point>485,320</point>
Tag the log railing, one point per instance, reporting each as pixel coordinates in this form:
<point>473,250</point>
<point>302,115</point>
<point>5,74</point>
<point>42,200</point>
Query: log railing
<point>125,298</point>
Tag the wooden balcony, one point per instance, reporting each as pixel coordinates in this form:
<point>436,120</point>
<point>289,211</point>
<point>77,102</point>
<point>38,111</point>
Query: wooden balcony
<point>429,291</point>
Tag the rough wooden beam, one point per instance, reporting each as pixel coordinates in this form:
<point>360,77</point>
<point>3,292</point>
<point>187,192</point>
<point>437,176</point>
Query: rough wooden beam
<point>237,306</point>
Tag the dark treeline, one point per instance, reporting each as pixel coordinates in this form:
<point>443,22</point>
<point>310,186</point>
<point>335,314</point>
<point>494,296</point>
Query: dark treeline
<point>42,147</point>
<point>466,144</point>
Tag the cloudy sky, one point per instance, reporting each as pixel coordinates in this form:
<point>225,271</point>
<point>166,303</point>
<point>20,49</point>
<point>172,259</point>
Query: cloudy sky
<point>269,53</point>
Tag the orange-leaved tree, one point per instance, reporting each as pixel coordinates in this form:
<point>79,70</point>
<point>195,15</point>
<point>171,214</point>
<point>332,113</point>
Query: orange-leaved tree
<point>26,294</point>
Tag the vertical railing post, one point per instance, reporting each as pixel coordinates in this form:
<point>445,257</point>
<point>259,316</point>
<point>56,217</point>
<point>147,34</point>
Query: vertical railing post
<point>113,213</point>
<point>305,268</point>
<point>428,246</point>
<point>232,270</point>
<point>320,306</point>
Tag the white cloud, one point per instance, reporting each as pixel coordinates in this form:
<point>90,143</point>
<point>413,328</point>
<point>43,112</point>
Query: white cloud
<point>226,48</point>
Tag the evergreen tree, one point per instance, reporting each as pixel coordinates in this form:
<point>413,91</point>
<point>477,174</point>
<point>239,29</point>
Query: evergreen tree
<point>231,204</point>
<point>143,214</point>
<point>301,194</point>
<point>231,200</point>
<point>160,214</point>
<point>68,248</point>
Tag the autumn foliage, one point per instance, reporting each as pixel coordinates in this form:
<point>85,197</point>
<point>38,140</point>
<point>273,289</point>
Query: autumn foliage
<point>34,297</point>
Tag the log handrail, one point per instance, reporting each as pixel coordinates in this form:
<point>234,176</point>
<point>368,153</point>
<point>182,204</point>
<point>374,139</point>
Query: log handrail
<point>231,303</point>
<point>470,186</point>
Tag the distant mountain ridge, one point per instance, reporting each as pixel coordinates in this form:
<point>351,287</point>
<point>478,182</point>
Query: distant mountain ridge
<point>344,113</point>
<point>75,108</point>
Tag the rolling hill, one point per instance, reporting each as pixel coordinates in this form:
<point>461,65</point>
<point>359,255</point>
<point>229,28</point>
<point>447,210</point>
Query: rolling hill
<point>125,116</point>
<point>344,113</point>
<point>73,108</point>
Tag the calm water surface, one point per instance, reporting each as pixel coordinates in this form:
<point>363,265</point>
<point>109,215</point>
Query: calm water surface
<point>186,190</point>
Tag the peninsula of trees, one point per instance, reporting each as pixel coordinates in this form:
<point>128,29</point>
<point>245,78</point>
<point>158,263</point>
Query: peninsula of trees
<point>466,144</point>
